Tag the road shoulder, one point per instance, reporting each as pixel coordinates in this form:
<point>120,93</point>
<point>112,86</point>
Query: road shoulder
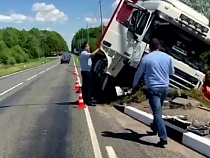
<point>128,137</point>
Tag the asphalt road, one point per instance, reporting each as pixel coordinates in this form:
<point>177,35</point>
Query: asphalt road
<point>38,119</point>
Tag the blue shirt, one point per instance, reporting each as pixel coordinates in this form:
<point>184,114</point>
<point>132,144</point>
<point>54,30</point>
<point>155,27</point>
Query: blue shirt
<point>85,61</point>
<point>157,67</point>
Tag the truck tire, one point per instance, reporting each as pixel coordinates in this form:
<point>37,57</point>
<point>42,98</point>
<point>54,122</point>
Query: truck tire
<point>108,88</point>
<point>99,68</point>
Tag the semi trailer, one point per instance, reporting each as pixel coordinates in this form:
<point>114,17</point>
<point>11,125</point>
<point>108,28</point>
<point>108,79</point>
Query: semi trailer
<point>183,32</point>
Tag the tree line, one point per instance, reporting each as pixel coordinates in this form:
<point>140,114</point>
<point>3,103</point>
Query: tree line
<point>17,46</point>
<point>92,35</point>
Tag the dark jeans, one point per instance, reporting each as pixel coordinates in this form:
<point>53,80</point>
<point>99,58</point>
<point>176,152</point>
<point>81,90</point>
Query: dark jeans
<point>156,98</point>
<point>86,86</point>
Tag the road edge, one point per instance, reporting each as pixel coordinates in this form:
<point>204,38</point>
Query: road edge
<point>189,139</point>
<point>93,136</point>
<point>15,73</point>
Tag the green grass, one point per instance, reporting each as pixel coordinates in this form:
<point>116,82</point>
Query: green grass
<point>137,97</point>
<point>197,95</point>
<point>140,96</point>
<point>77,60</point>
<point>8,69</point>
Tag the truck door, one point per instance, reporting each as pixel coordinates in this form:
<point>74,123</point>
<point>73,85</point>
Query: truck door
<point>137,26</point>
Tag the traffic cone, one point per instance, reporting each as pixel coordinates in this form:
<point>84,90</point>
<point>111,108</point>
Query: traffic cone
<point>77,87</point>
<point>75,73</point>
<point>77,80</point>
<point>81,104</point>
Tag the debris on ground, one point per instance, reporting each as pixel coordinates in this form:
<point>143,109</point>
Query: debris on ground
<point>184,103</point>
<point>184,109</point>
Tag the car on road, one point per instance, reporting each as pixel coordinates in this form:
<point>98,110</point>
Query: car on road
<point>65,58</point>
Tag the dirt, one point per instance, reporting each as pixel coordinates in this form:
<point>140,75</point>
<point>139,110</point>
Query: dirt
<point>202,116</point>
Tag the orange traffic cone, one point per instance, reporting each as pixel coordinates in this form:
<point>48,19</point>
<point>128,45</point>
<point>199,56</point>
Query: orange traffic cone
<point>81,104</point>
<point>77,80</point>
<point>77,86</point>
<point>75,73</point>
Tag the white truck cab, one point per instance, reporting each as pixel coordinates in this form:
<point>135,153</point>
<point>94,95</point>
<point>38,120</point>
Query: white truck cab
<point>183,32</point>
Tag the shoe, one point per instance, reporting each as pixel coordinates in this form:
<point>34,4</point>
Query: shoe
<point>154,131</point>
<point>94,101</point>
<point>162,143</point>
<point>90,104</point>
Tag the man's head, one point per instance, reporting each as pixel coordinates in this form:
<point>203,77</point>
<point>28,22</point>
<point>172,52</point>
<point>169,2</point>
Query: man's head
<point>85,46</point>
<point>154,44</point>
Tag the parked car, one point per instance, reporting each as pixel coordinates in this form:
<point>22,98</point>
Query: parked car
<point>65,58</point>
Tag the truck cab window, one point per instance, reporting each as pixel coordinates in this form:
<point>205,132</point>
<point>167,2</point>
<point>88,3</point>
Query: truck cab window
<point>142,22</point>
<point>124,14</point>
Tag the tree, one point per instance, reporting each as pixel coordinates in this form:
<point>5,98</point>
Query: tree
<point>17,46</point>
<point>94,37</point>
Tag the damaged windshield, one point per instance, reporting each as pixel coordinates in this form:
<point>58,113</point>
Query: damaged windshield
<point>178,43</point>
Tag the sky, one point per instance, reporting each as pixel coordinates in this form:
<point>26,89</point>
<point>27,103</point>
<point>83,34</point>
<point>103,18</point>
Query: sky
<point>64,16</point>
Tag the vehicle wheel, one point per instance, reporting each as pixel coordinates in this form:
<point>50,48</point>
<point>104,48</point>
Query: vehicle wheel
<point>108,88</point>
<point>99,68</point>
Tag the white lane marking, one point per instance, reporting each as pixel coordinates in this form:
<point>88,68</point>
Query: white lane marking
<point>31,78</point>
<point>110,151</point>
<point>51,67</point>
<point>94,140</point>
<point>42,72</point>
<point>27,69</point>
<point>11,89</point>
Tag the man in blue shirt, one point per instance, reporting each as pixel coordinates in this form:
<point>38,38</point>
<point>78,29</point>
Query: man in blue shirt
<point>86,63</point>
<point>157,66</point>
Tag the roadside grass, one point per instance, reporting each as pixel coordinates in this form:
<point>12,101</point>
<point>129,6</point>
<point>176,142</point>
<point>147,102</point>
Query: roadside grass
<point>8,69</point>
<point>197,95</point>
<point>140,96</point>
<point>137,97</point>
<point>77,60</point>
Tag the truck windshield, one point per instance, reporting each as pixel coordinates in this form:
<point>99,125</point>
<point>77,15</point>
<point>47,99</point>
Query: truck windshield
<point>179,44</point>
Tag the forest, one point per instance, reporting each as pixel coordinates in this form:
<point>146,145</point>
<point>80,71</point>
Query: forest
<point>18,46</point>
<point>82,35</point>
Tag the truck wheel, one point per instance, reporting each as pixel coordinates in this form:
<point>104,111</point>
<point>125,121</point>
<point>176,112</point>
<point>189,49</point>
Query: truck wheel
<point>108,88</point>
<point>99,68</point>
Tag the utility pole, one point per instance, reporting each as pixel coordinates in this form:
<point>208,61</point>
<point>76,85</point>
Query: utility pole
<point>82,34</point>
<point>87,33</point>
<point>101,17</point>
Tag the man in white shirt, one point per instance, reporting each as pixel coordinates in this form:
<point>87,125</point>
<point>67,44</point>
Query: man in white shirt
<point>86,64</point>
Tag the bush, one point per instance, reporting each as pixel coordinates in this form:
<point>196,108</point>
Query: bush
<point>11,60</point>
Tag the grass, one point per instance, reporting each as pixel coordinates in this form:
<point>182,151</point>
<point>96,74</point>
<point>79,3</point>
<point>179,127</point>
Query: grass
<point>9,69</point>
<point>137,97</point>
<point>197,95</point>
<point>140,96</point>
<point>77,60</point>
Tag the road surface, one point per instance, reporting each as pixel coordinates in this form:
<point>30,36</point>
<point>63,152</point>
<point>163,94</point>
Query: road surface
<point>38,119</point>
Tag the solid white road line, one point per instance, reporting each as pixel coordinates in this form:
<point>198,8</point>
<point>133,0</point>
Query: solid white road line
<point>94,140</point>
<point>31,78</point>
<point>110,151</point>
<point>48,69</point>
<point>11,89</point>
<point>42,72</point>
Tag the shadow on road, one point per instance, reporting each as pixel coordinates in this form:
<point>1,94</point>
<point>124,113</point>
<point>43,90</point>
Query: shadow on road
<point>44,104</point>
<point>132,136</point>
<point>120,108</point>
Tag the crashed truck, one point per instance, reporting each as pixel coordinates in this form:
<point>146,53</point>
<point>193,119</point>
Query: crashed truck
<point>183,32</point>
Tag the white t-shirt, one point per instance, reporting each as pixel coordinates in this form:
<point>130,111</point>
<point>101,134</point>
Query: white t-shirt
<point>85,61</point>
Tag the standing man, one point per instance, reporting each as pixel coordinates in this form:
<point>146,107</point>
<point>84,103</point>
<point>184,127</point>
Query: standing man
<point>86,63</point>
<point>157,66</point>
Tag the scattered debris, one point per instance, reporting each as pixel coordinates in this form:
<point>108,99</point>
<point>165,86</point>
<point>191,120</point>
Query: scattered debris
<point>184,103</point>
